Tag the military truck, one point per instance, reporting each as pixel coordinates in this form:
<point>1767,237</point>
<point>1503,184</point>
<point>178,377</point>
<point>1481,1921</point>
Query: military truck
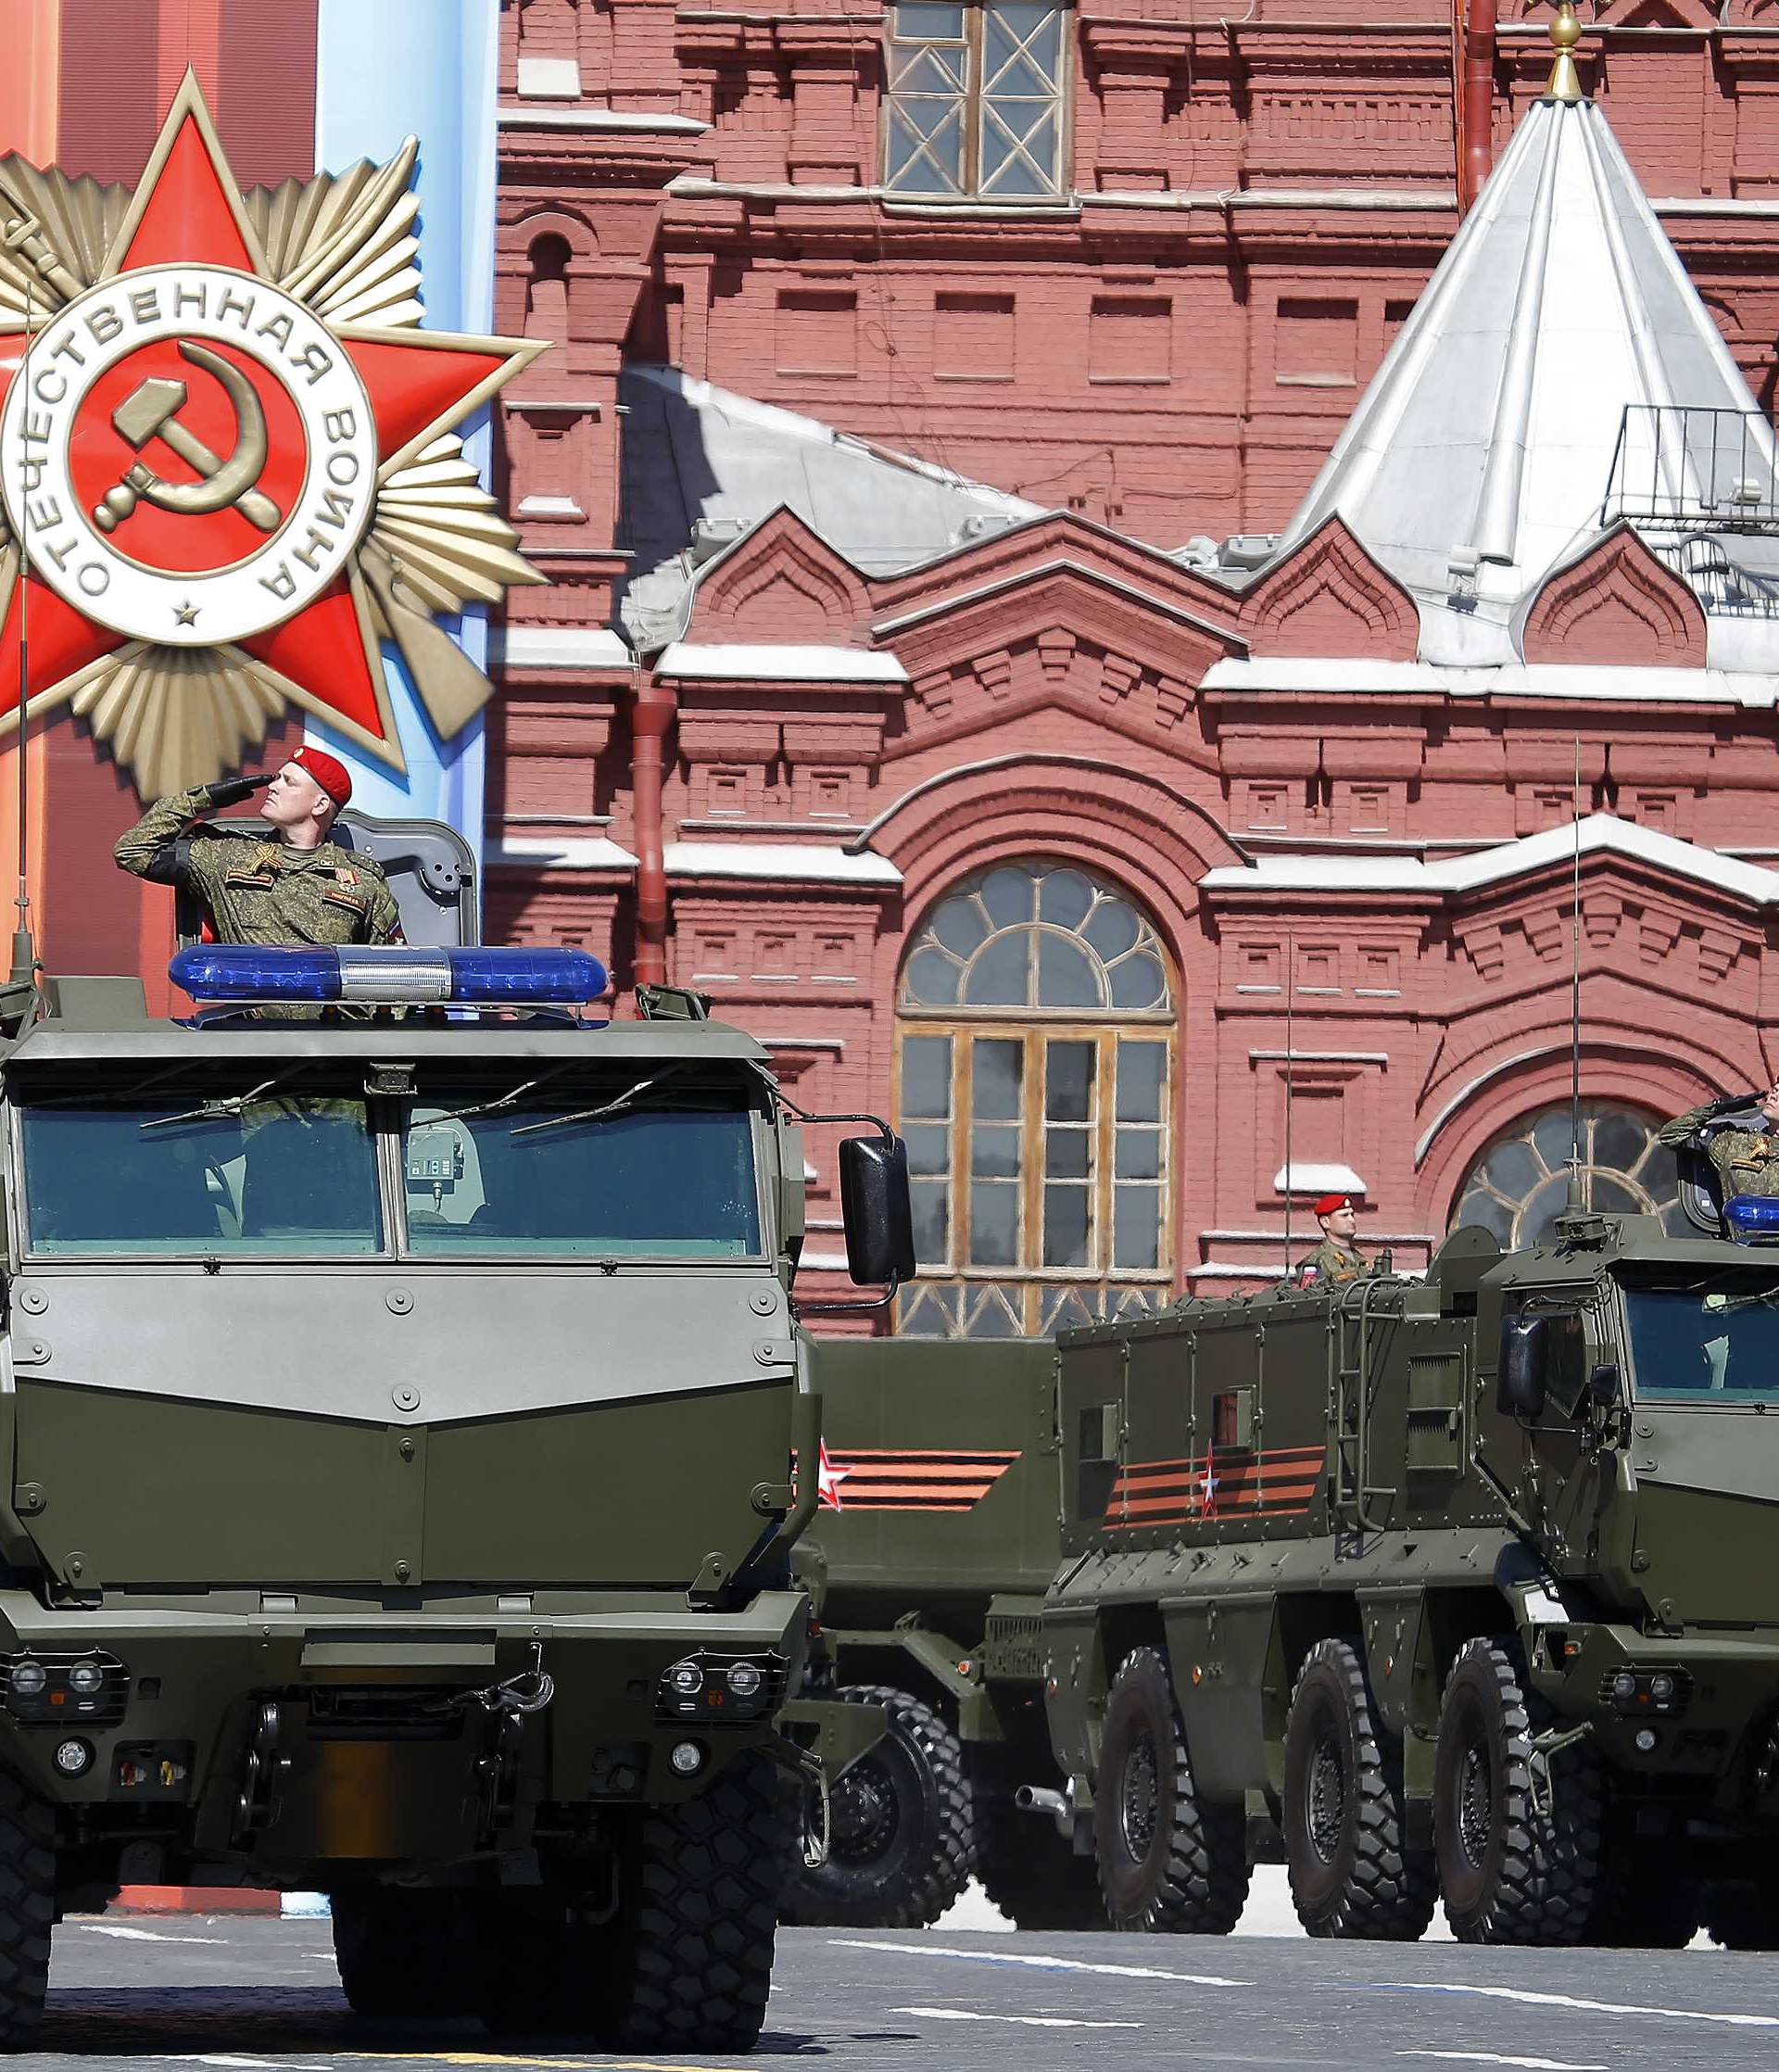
<point>927,1567</point>
<point>1459,1589</point>
<point>399,1404</point>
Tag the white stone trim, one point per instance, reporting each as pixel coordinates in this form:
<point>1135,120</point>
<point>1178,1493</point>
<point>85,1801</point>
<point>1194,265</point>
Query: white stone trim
<point>1300,1179</point>
<point>690,660</point>
<point>1600,833</point>
<point>560,852</point>
<point>789,863</point>
<point>610,121</point>
<point>558,647</point>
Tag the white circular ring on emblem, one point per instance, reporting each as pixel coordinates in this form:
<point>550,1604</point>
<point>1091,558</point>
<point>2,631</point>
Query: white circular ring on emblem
<point>89,566</point>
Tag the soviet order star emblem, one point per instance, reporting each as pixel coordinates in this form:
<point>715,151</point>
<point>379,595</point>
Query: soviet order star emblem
<point>227,468</point>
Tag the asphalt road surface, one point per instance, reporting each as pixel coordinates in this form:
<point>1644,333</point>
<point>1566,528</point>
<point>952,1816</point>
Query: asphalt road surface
<point>255,1994</point>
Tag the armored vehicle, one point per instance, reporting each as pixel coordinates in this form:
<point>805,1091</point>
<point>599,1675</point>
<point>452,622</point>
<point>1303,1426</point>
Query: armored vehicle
<point>1459,1589</point>
<point>927,1565</point>
<point>399,1402</point>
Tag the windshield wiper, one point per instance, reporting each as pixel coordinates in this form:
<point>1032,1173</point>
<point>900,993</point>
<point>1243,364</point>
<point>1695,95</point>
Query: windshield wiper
<point>616,1106</point>
<point>506,1100</point>
<point>230,1108</point>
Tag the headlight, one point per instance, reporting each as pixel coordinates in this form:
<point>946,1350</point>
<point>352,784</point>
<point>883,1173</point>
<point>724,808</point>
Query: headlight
<point>27,1679</point>
<point>686,1679</point>
<point>1624,1686</point>
<point>73,1758</point>
<point>1661,1686</point>
<point>745,1679</point>
<point>86,1679</point>
<point>686,1758</point>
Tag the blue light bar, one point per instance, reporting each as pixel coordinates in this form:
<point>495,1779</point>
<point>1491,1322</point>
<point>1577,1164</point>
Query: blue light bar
<point>396,976</point>
<point>1753,1218</point>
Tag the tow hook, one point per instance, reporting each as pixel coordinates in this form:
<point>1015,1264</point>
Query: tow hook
<point>528,1692</point>
<point>1541,1747</point>
<point>805,1764</point>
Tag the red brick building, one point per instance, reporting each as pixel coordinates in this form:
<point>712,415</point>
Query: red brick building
<point>1007,646</point>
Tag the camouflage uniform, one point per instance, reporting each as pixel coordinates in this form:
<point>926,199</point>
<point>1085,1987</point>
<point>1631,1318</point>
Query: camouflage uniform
<point>256,888</point>
<point>1746,1159</point>
<point>1329,1265</point>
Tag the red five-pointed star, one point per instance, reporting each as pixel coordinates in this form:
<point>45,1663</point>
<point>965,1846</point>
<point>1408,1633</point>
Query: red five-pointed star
<point>188,210</point>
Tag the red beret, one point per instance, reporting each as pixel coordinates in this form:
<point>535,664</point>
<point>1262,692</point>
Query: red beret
<point>328,771</point>
<point>1330,1203</point>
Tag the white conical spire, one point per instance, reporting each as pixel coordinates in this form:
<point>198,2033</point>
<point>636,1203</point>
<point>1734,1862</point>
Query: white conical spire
<point>1481,453</point>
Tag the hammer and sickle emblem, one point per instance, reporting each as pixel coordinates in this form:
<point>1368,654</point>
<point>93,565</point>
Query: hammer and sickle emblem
<point>152,412</point>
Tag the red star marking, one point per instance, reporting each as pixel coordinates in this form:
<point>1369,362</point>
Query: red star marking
<point>829,1480</point>
<point>418,385</point>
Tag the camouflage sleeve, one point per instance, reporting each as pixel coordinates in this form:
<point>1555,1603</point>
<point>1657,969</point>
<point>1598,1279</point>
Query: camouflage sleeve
<point>383,924</point>
<point>146,850</point>
<point>1681,1127</point>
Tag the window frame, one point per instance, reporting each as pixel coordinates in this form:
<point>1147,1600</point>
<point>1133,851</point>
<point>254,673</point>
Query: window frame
<point>973,194</point>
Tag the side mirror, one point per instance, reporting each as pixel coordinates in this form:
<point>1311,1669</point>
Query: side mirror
<point>1520,1381</point>
<point>874,1205</point>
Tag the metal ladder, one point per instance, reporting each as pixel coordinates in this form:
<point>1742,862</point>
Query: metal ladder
<point>1349,1398</point>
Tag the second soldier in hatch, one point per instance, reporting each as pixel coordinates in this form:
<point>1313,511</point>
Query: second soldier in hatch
<point>1337,1257</point>
<point>1747,1157</point>
<point>295,886</point>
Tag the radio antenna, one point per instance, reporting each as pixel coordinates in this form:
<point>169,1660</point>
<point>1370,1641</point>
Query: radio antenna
<point>1574,1202</point>
<point>23,976</point>
<point>1291,959</point>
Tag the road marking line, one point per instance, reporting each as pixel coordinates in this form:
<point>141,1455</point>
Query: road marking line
<point>1580,2006</point>
<point>1034,1964</point>
<point>140,1935</point>
<point>244,2064</point>
<point>1494,2057</point>
<point>508,2061</point>
<point>1023,2021</point>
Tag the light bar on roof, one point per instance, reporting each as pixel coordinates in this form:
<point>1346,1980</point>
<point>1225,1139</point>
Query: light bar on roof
<point>395,976</point>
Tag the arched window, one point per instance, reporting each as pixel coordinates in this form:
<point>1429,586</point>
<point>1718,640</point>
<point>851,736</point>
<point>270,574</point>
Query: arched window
<point>1518,1186</point>
<point>1035,1091</point>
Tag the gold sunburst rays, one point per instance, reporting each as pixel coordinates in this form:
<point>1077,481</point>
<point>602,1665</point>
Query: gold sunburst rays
<point>175,716</point>
<point>445,533</point>
<point>58,232</point>
<point>344,243</point>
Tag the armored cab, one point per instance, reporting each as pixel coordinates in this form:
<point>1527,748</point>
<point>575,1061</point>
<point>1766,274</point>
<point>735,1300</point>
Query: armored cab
<point>398,1388</point>
<point>928,1564</point>
<point>1459,1589</point>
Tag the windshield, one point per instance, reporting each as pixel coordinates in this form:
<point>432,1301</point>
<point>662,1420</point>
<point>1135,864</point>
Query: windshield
<point>615,1173</point>
<point>1709,1344</point>
<point>223,1173</point>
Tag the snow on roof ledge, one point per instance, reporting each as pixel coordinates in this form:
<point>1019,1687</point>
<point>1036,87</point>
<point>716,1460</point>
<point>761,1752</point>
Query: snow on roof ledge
<point>1599,833</point>
<point>1300,1179</point>
<point>796,664</point>
<point>558,647</point>
<point>790,862</point>
<point>1313,675</point>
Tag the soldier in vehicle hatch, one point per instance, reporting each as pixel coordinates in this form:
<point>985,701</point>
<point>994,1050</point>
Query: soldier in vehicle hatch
<point>1337,1257</point>
<point>296,887</point>
<point>1747,1157</point>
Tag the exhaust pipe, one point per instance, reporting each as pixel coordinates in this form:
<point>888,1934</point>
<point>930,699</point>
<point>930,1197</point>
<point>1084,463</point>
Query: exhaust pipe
<point>1035,1798</point>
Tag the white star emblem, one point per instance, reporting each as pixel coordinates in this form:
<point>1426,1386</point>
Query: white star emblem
<point>829,1478</point>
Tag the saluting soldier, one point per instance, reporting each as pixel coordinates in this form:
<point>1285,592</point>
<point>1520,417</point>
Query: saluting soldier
<point>1337,1259</point>
<point>1746,1158</point>
<point>293,887</point>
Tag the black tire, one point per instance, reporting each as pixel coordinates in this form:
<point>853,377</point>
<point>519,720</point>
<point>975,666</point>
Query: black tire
<point>1742,1915</point>
<point>540,1949</point>
<point>1167,1860</point>
<point>902,1845</point>
<point>687,1965</point>
<point>1352,1873</point>
<point>1518,1836</point>
<point>1030,1873</point>
<point>27,1909</point>
<point>405,1952</point>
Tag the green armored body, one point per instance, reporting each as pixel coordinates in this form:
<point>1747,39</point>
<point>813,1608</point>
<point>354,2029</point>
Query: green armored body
<point>927,1565</point>
<point>398,1496</point>
<point>1458,1590</point>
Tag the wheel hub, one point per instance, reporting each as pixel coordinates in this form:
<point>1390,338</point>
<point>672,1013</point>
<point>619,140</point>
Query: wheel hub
<point>862,1814</point>
<point>1475,1805</point>
<point>1139,1798</point>
<point>1327,1796</point>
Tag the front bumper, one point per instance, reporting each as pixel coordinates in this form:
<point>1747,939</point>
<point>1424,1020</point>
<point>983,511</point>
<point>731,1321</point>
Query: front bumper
<point>377,1706</point>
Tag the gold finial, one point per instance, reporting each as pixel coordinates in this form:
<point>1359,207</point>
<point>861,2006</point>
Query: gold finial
<point>1565,81</point>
